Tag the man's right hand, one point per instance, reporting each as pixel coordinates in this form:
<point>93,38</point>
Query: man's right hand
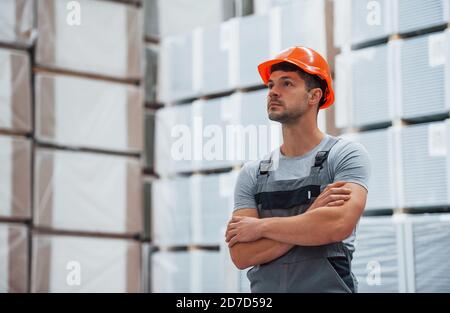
<point>333,195</point>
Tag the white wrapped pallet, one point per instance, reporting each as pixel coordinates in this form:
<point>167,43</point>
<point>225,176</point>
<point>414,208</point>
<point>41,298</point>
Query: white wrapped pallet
<point>85,264</point>
<point>205,271</point>
<point>17,22</point>
<point>13,258</point>
<point>343,88</point>
<point>212,205</point>
<point>173,139</point>
<point>212,47</point>
<point>179,16</point>
<point>79,191</point>
<point>424,75</point>
<point>265,6</point>
<point>171,212</point>
<point>211,119</point>
<point>372,88</point>
<point>15,177</point>
<point>379,259</point>
<point>176,69</point>
<point>90,36</point>
<point>170,271</point>
<point>413,15</point>
<point>342,23</point>
<point>250,46</point>
<point>192,210</point>
<point>423,164</point>
<point>15,90</point>
<point>362,21</point>
<point>105,115</point>
<point>428,251</point>
<point>381,146</point>
<point>186,271</point>
<point>371,20</point>
<point>365,84</point>
<point>302,23</point>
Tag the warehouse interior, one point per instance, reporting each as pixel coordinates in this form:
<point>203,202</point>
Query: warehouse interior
<point>124,125</point>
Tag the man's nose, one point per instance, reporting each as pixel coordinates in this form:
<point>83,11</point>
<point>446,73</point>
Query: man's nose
<point>273,93</point>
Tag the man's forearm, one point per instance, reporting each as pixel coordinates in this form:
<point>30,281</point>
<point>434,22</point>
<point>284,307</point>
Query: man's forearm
<point>321,226</point>
<point>258,252</point>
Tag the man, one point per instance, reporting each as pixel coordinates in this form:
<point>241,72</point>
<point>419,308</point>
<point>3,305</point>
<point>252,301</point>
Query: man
<point>297,209</point>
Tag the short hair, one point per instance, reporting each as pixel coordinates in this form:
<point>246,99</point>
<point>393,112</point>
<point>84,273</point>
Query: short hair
<point>311,81</point>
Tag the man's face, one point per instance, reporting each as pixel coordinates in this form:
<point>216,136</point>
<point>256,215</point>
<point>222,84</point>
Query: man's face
<point>288,97</point>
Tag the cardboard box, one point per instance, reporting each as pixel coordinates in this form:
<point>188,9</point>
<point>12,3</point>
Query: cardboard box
<point>379,258</point>
<point>171,212</point>
<point>85,264</point>
<point>187,271</point>
<point>88,113</point>
<point>15,91</point>
<point>104,39</point>
<point>13,258</point>
<point>87,192</point>
<point>15,177</point>
<point>179,16</point>
<point>17,22</point>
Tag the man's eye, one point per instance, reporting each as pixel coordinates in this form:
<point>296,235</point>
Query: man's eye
<point>270,86</point>
<point>287,83</point>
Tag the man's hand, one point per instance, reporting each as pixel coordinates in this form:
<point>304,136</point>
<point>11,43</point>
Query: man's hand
<point>333,195</point>
<point>243,229</point>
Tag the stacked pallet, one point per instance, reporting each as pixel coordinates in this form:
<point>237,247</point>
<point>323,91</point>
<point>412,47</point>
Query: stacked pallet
<point>17,35</point>
<point>392,96</point>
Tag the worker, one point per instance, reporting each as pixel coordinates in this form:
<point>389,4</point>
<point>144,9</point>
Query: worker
<point>296,210</point>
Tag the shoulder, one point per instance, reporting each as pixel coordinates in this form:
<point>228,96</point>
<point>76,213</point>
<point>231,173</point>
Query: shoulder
<point>251,168</point>
<point>349,161</point>
<point>345,148</point>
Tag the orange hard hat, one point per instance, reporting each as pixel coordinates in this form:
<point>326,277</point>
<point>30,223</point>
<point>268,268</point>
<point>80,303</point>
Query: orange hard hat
<point>308,60</point>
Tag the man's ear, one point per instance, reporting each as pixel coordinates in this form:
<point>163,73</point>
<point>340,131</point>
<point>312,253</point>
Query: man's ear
<point>314,96</point>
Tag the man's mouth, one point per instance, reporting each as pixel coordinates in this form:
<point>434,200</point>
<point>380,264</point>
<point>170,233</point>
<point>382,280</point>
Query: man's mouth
<point>275,104</point>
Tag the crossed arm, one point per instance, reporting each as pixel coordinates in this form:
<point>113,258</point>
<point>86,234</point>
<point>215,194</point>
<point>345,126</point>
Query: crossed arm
<point>255,241</point>
<point>260,251</point>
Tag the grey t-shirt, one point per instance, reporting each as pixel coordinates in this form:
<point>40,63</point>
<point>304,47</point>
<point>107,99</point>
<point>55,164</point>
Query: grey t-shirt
<point>347,161</point>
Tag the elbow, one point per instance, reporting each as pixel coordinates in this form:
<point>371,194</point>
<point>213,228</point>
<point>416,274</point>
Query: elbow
<point>241,266</point>
<point>341,231</point>
<point>238,260</point>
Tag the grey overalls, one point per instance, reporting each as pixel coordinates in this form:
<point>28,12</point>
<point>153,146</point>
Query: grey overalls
<point>304,268</point>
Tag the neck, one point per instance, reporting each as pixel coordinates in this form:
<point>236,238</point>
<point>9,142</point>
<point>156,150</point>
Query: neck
<point>300,137</point>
